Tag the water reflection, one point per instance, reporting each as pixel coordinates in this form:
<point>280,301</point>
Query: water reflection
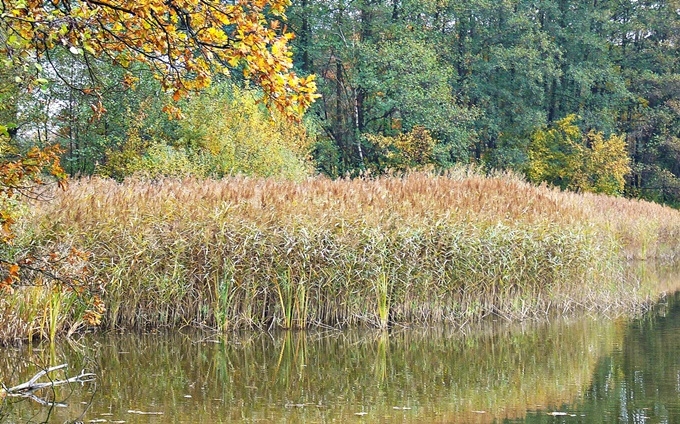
<point>639,382</point>
<point>439,375</point>
<point>592,370</point>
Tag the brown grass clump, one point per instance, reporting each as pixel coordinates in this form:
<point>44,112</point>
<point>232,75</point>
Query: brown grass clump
<point>423,248</point>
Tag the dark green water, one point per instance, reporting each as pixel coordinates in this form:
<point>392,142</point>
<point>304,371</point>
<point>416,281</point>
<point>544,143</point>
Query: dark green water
<point>593,370</point>
<point>638,382</point>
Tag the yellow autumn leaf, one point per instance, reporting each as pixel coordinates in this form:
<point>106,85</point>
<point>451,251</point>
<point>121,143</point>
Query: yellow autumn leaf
<point>176,46</point>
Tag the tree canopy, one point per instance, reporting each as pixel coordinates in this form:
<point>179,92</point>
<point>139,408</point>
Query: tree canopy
<point>485,77</point>
<point>184,42</point>
<point>483,80</point>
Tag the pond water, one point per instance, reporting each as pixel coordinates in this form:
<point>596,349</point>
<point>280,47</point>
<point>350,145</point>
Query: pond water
<point>579,370</point>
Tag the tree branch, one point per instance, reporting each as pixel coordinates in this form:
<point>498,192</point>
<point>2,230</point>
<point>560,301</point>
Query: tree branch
<point>28,388</point>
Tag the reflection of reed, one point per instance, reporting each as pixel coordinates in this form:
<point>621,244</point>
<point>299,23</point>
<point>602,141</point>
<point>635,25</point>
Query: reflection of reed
<point>639,381</point>
<point>431,375</point>
<point>381,356</point>
<point>655,277</point>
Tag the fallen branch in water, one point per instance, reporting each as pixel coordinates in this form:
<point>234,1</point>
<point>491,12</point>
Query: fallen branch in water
<point>28,388</point>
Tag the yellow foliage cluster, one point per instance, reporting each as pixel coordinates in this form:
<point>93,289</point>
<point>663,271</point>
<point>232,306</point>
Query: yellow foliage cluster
<point>185,42</point>
<point>407,151</point>
<point>236,135</point>
<point>225,131</point>
<point>569,159</point>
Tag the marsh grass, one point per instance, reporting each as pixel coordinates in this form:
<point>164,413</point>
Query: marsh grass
<point>420,249</point>
<point>38,311</point>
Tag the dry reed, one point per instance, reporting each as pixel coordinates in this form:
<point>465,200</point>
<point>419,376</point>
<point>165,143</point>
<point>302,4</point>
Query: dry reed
<point>419,249</point>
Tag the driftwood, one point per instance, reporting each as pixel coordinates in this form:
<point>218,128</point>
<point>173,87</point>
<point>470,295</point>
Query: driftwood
<point>29,388</point>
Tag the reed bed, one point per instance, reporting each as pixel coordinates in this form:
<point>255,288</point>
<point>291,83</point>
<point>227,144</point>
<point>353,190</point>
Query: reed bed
<point>419,249</point>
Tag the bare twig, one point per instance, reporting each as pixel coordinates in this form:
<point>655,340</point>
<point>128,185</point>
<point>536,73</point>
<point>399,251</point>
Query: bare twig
<point>45,402</point>
<point>28,388</point>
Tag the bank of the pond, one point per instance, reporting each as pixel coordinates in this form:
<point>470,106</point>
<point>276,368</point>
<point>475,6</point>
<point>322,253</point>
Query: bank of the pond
<point>264,253</point>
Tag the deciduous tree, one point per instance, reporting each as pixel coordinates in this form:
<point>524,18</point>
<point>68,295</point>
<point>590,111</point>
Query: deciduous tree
<point>184,42</point>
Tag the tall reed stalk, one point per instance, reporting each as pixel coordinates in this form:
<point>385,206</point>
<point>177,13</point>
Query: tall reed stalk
<point>383,300</point>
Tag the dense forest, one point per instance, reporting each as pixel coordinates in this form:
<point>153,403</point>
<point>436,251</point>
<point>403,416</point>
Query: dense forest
<point>582,94</point>
<point>485,77</point>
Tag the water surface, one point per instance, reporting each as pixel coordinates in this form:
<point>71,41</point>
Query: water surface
<point>638,382</point>
<point>586,370</point>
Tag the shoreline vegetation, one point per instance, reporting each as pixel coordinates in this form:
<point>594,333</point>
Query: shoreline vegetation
<point>261,253</point>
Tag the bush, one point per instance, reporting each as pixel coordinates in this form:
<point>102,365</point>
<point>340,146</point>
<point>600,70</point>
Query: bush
<point>224,131</point>
<point>567,158</point>
<point>407,151</point>
<point>232,132</point>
